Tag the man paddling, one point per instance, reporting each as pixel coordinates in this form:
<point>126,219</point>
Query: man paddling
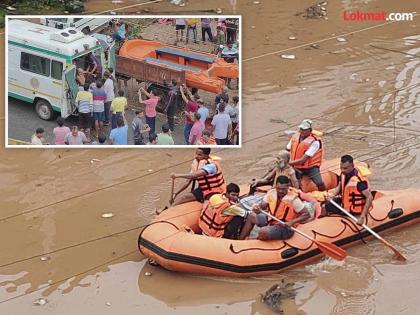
<point>354,188</point>
<point>207,173</point>
<point>285,203</point>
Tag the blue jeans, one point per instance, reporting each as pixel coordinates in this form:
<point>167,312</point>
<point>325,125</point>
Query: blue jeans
<point>114,119</point>
<point>107,110</point>
<point>313,173</point>
<point>187,130</point>
<point>116,37</point>
<point>207,30</point>
<point>194,30</point>
<point>151,121</point>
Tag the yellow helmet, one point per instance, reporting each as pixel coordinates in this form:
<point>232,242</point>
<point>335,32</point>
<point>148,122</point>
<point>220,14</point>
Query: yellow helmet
<point>216,200</point>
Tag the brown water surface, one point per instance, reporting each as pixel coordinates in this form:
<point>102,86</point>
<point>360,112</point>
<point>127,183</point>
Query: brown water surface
<point>53,199</point>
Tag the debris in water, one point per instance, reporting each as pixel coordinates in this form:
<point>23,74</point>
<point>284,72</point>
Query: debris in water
<point>94,160</point>
<point>277,120</point>
<point>343,294</point>
<point>147,273</point>
<point>150,170</point>
<point>316,11</point>
<point>45,258</point>
<point>292,37</point>
<point>256,2</point>
<point>354,76</point>
<point>253,26</point>
<point>288,56</point>
<point>11,8</point>
<point>316,46</point>
<point>108,303</point>
<point>278,292</point>
<point>40,301</point>
<point>341,39</point>
<point>117,1</point>
<point>219,11</point>
<point>112,13</point>
<point>107,215</point>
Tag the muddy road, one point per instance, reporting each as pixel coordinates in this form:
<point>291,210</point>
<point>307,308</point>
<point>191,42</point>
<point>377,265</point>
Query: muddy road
<point>365,98</point>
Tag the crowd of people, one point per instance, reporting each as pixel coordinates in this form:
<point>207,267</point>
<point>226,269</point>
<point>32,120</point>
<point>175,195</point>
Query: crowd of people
<point>226,30</point>
<point>224,215</point>
<point>98,107</point>
<point>101,104</point>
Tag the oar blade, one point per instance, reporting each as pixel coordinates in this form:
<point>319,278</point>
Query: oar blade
<point>394,250</point>
<point>332,250</point>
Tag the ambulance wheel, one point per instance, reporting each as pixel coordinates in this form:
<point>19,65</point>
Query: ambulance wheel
<point>44,109</point>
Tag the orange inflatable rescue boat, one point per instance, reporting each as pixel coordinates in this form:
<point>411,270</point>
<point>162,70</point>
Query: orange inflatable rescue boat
<point>202,70</point>
<point>174,241</point>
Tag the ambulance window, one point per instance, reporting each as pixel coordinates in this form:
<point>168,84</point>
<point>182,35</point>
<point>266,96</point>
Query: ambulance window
<point>77,19</point>
<point>56,70</point>
<point>35,64</point>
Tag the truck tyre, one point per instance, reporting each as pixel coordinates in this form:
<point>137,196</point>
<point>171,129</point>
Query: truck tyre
<point>44,109</point>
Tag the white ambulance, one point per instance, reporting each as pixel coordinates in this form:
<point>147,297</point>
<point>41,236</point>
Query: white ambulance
<point>42,64</point>
<point>84,24</point>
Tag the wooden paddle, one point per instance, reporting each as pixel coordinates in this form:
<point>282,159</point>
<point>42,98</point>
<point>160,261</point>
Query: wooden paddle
<point>396,252</point>
<point>172,195</point>
<point>328,249</point>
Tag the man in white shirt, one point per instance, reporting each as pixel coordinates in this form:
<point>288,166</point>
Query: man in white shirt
<point>110,95</point>
<point>222,126</point>
<point>180,26</point>
<point>38,137</point>
<point>306,153</point>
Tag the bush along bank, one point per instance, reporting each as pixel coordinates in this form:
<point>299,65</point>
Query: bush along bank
<point>11,7</point>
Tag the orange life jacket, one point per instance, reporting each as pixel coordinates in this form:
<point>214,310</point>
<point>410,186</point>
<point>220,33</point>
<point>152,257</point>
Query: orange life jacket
<point>299,147</point>
<point>284,210</point>
<point>211,221</point>
<point>209,184</point>
<point>353,200</point>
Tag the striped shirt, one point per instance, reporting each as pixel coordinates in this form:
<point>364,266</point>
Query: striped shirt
<point>84,101</point>
<point>99,97</point>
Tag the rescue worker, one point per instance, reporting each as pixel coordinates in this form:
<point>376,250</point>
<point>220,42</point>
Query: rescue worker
<point>285,203</point>
<point>354,189</point>
<point>281,167</point>
<point>306,153</point>
<point>221,215</point>
<point>207,173</point>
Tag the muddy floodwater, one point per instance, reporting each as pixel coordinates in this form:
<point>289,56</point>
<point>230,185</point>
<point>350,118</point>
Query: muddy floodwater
<point>364,93</point>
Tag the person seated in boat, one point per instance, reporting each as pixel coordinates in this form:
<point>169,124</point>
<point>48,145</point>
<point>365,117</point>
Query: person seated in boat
<point>207,173</point>
<point>221,216</point>
<point>306,153</point>
<point>286,203</point>
<point>353,190</point>
<point>281,167</point>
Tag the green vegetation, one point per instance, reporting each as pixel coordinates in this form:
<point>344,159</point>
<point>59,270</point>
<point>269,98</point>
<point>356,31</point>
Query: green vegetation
<point>40,7</point>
